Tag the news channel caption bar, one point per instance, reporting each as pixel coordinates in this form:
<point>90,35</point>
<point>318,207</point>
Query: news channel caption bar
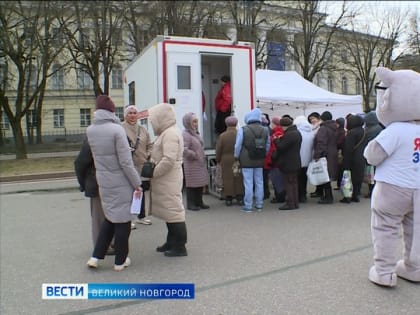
<point>117,291</point>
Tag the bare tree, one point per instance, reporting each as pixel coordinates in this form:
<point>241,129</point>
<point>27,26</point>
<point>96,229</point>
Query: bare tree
<point>372,48</point>
<point>94,32</point>
<point>313,43</point>
<point>28,53</point>
<point>254,22</point>
<point>147,19</point>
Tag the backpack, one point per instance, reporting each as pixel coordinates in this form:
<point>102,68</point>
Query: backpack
<point>257,151</point>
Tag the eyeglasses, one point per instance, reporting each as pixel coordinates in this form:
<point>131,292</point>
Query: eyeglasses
<point>378,87</point>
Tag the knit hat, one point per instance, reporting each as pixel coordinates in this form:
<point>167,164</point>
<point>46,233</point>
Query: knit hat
<point>231,121</point>
<point>276,120</point>
<point>286,122</point>
<point>314,114</point>
<point>326,116</point>
<point>105,102</point>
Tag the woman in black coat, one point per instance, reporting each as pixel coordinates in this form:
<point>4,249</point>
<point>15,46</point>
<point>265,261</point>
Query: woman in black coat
<point>353,159</point>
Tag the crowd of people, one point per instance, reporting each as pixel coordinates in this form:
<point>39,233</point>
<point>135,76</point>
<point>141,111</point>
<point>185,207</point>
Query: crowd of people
<point>290,145</point>
<point>272,154</point>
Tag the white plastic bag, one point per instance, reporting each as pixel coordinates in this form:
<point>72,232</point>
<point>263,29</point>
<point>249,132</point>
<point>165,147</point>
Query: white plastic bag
<point>318,172</point>
<point>346,184</point>
<point>136,204</point>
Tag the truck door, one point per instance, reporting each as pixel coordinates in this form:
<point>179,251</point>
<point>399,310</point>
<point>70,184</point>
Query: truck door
<point>184,85</point>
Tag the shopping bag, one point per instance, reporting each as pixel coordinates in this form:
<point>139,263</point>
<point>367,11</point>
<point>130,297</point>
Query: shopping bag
<point>236,168</point>
<point>136,204</point>
<point>318,172</point>
<point>346,184</point>
<point>218,178</point>
<point>369,174</point>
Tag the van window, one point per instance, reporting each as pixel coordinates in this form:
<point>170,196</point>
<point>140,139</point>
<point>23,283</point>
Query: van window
<point>184,77</point>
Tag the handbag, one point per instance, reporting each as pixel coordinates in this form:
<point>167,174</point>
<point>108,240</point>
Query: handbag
<point>369,174</point>
<point>147,170</point>
<point>346,185</point>
<point>318,172</point>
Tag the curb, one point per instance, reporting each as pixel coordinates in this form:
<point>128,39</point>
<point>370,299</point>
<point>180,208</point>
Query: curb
<point>27,177</point>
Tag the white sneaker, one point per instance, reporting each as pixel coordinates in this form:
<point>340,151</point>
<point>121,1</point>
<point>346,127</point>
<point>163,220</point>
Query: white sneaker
<point>124,265</point>
<point>407,272</point>
<point>133,226</point>
<point>92,262</point>
<point>389,280</point>
<point>144,221</point>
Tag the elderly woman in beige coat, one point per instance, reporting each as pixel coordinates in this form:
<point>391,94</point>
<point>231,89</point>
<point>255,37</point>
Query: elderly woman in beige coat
<point>140,146</point>
<point>166,183</point>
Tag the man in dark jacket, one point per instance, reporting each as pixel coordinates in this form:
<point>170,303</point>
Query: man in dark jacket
<point>85,172</point>
<point>325,145</point>
<point>287,158</point>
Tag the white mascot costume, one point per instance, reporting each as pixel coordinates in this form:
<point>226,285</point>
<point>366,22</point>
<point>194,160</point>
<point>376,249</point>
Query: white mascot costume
<point>396,197</point>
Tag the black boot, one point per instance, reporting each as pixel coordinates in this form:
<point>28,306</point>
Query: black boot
<point>170,240</point>
<point>319,192</point>
<point>279,197</point>
<point>191,199</point>
<point>328,197</point>
<point>199,198</point>
<point>180,239</point>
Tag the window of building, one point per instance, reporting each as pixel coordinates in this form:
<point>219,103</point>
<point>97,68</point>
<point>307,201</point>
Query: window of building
<point>344,55</point>
<point>57,36</point>
<point>358,86</point>
<point>84,37</point>
<point>3,75</point>
<point>5,124</point>
<point>132,93</point>
<point>84,117</point>
<point>31,118</point>
<point>344,87</point>
<point>184,77</point>
<point>28,34</point>
<point>330,83</point>
<point>57,77</point>
<point>31,76</point>
<point>117,36</point>
<point>117,77</point>
<point>58,118</point>
<point>83,80</point>
<point>119,112</point>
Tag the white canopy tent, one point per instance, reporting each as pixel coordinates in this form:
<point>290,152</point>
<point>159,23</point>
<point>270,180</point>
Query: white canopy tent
<point>286,92</point>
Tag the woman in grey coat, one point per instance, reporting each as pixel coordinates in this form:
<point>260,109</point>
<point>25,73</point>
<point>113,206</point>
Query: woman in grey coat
<point>117,180</point>
<point>195,166</point>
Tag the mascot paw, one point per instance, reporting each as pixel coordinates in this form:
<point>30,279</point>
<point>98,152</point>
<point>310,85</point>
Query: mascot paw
<point>408,272</point>
<point>388,280</point>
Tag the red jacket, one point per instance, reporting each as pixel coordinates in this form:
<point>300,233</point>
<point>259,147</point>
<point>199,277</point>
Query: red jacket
<point>277,133</point>
<point>224,98</point>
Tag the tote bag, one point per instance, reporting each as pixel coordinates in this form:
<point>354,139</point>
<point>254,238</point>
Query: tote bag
<point>318,172</point>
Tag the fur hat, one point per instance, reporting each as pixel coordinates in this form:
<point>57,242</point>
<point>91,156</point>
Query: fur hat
<point>276,120</point>
<point>231,121</point>
<point>286,122</point>
<point>326,116</point>
<point>105,102</point>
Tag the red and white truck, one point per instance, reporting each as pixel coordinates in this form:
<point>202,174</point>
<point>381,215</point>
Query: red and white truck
<point>183,71</point>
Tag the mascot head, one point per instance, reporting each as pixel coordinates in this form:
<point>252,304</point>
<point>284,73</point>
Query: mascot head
<point>398,95</point>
